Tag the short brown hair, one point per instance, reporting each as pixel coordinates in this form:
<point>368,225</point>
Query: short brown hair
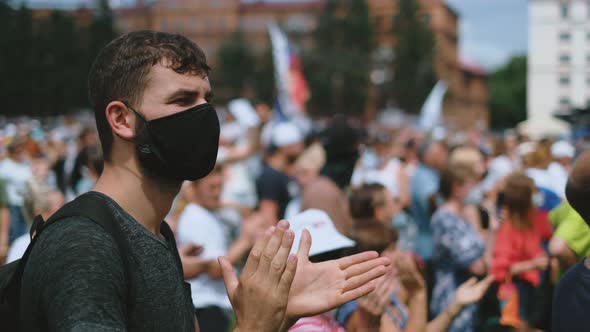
<point>454,175</point>
<point>121,70</point>
<point>373,236</point>
<point>365,199</point>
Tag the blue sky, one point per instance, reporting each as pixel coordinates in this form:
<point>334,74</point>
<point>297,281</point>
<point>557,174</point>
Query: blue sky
<point>490,30</point>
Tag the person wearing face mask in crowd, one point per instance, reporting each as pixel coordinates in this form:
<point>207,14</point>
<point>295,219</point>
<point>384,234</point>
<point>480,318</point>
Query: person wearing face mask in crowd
<point>150,92</point>
<point>275,185</point>
<point>458,247</point>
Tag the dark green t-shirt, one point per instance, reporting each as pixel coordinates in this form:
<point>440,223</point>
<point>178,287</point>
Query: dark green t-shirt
<point>75,281</point>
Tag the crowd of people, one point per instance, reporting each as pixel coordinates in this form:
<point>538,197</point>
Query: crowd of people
<point>477,226</point>
<point>447,210</point>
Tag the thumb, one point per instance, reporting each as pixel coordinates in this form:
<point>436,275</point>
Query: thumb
<point>304,246</point>
<point>229,276</point>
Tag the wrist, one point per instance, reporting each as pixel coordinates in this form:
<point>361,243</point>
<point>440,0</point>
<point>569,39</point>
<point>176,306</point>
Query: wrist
<point>454,309</point>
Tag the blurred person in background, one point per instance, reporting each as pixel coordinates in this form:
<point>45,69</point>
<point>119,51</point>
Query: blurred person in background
<point>562,153</point>
<point>571,238</point>
<point>407,307</point>
<point>275,185</point>
<point>199,225</point>
<point>86,139</point>
<point>424,187</point>
<point>92,170</point>
<point>378,164</point>
<point>4,223</point>
<point>458,247</point>
<point>518,252</point>
<point>536,158</point>
<point>307,171</point>
<point>16,171</point>
<point>572,295</point>
<point>39,200</point>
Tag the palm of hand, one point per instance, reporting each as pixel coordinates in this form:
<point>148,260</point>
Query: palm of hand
<point>316,288</point>
<point>472,291</point>
<point>320,287</point>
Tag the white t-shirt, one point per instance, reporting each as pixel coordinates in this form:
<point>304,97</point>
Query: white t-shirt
<point>199,226</point>
<point>18,248</point>
<point>559,175</point>
<point>387,175</point>
<point>15,175</point>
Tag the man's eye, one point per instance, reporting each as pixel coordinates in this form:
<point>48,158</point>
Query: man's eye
<point>183,101</point>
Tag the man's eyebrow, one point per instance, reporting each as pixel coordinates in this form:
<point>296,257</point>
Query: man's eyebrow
<point>182,93</point>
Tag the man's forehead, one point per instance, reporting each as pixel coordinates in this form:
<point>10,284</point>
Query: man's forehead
<point>166,76</point>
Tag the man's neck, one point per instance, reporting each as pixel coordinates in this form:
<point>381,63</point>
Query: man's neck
<point>277,162</point>
<point>143,199</point>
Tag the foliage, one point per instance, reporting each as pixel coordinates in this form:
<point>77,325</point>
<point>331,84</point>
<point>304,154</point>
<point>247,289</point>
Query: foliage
<point>413,72</point>
<point>508,94</point>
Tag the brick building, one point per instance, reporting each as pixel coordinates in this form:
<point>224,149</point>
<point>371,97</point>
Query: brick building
<point>210,22</point>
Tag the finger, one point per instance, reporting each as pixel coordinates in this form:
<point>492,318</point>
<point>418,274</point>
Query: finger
<point>229,276</point>
<point>470,282</point>
<point>365,266</point>
<point>304,246</point>
<point>486,283</point>
<point>346,262</point>
<point>358,292</point>
<point>288,275</point>
<point>279,262</point>
<point>273,245</point>
<point>362,279</point>
<point>256,252</point>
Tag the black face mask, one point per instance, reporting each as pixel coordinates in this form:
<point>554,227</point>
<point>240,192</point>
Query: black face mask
<point>180,146</point>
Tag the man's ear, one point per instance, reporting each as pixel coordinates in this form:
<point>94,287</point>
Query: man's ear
<point>121,120</point>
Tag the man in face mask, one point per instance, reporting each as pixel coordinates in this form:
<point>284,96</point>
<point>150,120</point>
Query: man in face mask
<point>150,92</point>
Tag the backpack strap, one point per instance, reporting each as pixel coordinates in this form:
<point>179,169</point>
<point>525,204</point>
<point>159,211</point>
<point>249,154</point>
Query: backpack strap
<point>94,207</point>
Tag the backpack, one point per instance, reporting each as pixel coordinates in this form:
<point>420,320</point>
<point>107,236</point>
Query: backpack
<point>90,205</point>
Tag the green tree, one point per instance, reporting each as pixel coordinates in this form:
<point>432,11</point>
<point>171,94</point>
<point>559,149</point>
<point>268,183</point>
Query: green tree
<point>45,61</point>
<point>235,67</point>
<point>338,67</point>
<point>413,71</point>
<point>508,87</point>
<point>264,84</point>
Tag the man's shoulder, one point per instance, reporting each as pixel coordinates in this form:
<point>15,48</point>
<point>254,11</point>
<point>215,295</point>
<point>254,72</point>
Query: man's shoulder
<point>67,238</point>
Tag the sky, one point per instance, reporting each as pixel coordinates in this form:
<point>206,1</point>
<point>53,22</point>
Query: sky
<point>491,31</point>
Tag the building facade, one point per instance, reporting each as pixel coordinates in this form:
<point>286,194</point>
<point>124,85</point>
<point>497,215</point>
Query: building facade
<point>211,22</point>
<point>558,75</point>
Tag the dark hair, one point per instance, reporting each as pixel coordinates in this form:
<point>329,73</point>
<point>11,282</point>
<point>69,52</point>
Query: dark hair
<point>373,236</point>
<point>454,175</point>
<point>364,200</point>
<point>94,158</point>
<point>577,190</point>
<point>518,199</point>
<point>121,71</point>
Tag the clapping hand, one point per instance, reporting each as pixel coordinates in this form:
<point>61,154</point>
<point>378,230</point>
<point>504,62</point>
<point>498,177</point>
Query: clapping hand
<point>259,297</point>
<point>320,287</point>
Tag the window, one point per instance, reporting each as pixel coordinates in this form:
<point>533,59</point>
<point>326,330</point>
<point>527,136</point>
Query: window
<point>565,36</point>
<point>564,10</point>
<point>588,58</point>
<point>564,59</point>
<point>564,80</point>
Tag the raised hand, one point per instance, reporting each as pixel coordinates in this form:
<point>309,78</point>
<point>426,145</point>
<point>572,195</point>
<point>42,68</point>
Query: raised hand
<point>472,291</point>
<point>408,274</point>
<point>259,298</point>
<point>320,287</point>
<point>374,303</point>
